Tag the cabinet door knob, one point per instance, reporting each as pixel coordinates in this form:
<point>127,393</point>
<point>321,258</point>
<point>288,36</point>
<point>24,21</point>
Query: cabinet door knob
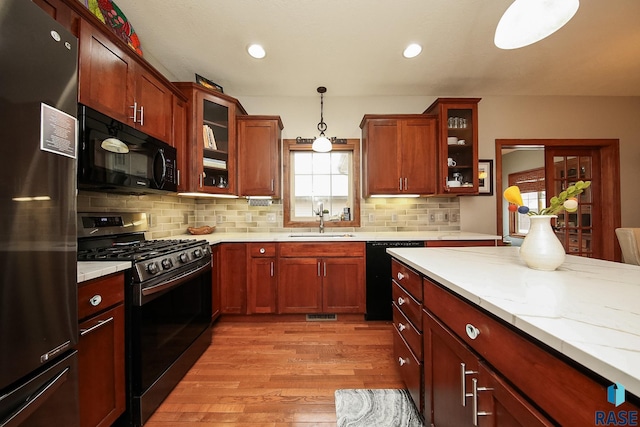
<point>400,300</point>
<point>472,331</point>
<point>95,300</point>
<point>400,276</point>
<point>262,250</point>
<point>401,361</point>
<point>401,327</point>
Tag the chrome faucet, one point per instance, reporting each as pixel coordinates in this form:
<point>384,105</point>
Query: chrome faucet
<point>321,215</point>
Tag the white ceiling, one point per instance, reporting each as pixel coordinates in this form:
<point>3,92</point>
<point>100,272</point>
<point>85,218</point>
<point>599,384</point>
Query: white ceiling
<point>354,47</point>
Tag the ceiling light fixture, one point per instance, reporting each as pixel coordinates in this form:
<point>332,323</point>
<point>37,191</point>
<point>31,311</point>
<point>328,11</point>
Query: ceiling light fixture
<point>321,144</point>
<point>528,21</point>
<point>256,51</point>
<point>412,50</point>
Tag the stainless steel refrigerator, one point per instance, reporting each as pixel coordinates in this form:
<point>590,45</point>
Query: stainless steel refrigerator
<point>38,296</point>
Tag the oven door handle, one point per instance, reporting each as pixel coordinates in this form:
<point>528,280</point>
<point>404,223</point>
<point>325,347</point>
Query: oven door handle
<point>177,281</point>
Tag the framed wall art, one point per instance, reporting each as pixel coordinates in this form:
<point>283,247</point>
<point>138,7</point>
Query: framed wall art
<point>485,177</point>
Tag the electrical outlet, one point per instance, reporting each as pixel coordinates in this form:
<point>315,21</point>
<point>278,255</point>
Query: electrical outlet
<point>432,218</point>
<point>271,217</point>
<point>446,217</point>
<point>185,218</point>
<point>454,217</point>
<point>439,217</point>
<point>394,217</point>
<point>247,217</point>
<point>372,217</point>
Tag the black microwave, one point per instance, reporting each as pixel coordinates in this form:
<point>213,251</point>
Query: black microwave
<point>115,157</point>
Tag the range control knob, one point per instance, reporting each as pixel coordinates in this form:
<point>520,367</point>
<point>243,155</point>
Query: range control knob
<point>166,263</point>
<point>183,257</point>
<point>197,253</point>
<point>152,268</point>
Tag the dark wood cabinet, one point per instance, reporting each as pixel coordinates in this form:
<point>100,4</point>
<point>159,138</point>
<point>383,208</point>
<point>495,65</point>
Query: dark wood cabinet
<point>263,280</point>
<point>211,147</point>
<point>458,141</point>
<point>101,350</point>
<point>399,154</point>
<point>216,283</point>
<point>179,115</point>
<point>233,278</point>
<point>113,82</point>
<point>62,13</point>
<point>321,278</point>
<point>259,159</point>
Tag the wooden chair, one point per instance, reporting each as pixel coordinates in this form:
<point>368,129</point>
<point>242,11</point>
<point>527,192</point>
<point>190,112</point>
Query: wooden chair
<point>629,239</point>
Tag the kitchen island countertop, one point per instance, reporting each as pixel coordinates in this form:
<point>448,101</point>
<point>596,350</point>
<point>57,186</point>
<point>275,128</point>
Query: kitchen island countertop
<point>588,309</point>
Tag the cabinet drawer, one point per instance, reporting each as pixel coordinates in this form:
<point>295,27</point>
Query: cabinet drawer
<point>99,294</point>
<point>405,328</point>
<point>410,369</point>
<point>257,250</point>
<point>322,250</point>
<point>409,279</point>
<point>411,308</point>
<point>524,362</point>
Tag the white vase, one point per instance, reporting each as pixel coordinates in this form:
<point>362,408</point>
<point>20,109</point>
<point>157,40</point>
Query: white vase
<point>541,248</point>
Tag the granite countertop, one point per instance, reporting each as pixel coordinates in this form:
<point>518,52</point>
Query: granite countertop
<point>587,309</point>
<point>92,270</point>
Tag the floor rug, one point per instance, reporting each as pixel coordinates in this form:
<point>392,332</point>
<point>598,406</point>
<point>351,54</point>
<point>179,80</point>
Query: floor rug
<point>376,408</point>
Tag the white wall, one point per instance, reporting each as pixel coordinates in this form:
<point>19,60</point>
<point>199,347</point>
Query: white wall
<point>499,118</point>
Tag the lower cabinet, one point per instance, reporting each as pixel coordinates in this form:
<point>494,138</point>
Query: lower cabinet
<point>262,280</point>
<point>216,283</point>
<point>101,350</point>
<point>233,278</point>
<point>321,278</point>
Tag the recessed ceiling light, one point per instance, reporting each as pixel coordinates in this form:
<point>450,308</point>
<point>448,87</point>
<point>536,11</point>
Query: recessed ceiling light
<point>412,50</point>
<point>256,51</point>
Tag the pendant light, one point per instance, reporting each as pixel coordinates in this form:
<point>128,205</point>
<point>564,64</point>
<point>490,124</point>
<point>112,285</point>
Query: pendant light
<point>321,144</point>
<point>528,21</point>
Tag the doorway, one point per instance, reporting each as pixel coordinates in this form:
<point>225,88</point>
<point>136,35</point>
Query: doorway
<point>589,232</point>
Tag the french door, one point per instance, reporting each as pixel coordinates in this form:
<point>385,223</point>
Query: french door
<point>578,231</point>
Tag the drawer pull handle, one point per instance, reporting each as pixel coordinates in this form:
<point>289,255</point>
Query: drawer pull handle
<point>95,300</point>
<point>472,331</point>
<point>100,323</point>
<point>400,276</point>
<point>402,361</point>
<point>401,327</point>
<point>400,300</point>
<point>477,413</point>
<point>463,384</point>
<point>262,250</point>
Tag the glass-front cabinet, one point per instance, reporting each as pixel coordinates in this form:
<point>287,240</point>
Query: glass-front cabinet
<point>457,144</point>
<point>211,140</point>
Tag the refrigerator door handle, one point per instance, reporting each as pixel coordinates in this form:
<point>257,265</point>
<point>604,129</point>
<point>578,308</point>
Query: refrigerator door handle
<point>34,402</point>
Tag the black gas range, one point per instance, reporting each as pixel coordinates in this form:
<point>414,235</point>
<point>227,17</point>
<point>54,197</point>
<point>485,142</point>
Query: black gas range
<point>167,303</point>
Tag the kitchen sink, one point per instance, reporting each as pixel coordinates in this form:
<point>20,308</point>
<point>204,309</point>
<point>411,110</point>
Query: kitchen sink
<point>327,235</point>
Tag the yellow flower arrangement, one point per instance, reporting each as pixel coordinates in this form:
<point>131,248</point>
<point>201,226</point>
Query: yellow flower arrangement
<point>566,200</point>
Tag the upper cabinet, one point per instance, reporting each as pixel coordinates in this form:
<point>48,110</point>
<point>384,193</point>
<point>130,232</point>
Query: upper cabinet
<point>399,154</point>
<point>259,159</point>
<point>211,147</point>
<point>114,82</point>
<point>458,144</point>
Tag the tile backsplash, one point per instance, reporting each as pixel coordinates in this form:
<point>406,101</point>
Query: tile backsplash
<point>171,215</point>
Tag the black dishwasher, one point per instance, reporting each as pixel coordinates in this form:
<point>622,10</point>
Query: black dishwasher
<point>379,277</point>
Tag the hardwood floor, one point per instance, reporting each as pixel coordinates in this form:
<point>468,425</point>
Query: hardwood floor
<point>265,373</point>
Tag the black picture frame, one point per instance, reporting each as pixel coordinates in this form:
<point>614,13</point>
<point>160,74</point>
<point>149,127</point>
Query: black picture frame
<point>485,177</point>
<point>202,81</point>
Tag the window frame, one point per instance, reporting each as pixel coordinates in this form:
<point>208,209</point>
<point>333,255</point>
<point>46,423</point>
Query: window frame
<point>290,146</point>
<point>529,181</point>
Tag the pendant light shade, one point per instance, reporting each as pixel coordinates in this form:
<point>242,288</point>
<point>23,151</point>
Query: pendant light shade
<point>321,144</point>
<point>528,21</point>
